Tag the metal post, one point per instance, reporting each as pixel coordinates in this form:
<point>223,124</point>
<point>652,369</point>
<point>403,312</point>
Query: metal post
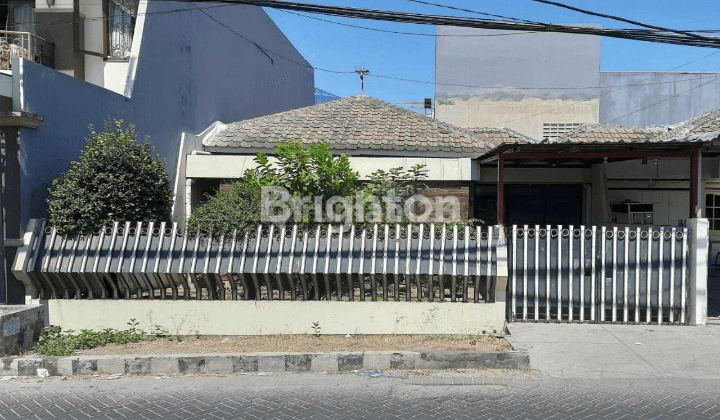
<point>501,192</point>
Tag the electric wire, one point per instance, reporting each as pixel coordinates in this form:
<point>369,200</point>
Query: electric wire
<point>617,18</point>
<point>398,32</point>
<point>425,19</point>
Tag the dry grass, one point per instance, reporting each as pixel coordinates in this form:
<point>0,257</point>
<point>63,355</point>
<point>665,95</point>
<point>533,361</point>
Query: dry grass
<point>303,343</point>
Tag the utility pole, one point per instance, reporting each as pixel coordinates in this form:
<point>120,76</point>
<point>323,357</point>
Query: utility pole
<point>362,72</point>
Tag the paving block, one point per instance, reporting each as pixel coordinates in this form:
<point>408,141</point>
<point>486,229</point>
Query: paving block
<point>110,365</point>
<point>272,363</point>
<point>402,361</point>
<point>298,362</point>
<point>84,366</point>
<point>8,366</point>
<point>164,366</point>
<point>324,363</point>
<point>65,366</point>
<point>191,365</point>
<point>244,363</point>
<point>350,362</point>
<point>373,360</point>
<point>219,364</point>
<point>29,366</point>
<point>138,365</point>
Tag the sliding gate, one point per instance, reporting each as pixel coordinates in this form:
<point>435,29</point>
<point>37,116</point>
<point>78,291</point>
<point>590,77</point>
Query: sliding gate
<point>598,274</point>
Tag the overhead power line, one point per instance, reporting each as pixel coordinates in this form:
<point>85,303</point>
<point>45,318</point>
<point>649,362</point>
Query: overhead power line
<point>649,35</point>
<point>388,31</point>
<point>617,18</point>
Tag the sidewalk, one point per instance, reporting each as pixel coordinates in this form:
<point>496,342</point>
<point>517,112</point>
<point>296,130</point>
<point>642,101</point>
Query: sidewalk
<point>619,351</point>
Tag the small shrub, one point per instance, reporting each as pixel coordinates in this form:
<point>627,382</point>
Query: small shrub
<point>114,179</point>
<point>55,342</point>
<point>238,208</point>
<point>316,329</point>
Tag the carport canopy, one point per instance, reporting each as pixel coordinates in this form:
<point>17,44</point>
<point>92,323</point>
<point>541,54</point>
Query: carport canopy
<point>539,155</point>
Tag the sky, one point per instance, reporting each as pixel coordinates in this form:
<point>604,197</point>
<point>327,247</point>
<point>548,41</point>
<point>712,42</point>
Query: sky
<point>340,48</point>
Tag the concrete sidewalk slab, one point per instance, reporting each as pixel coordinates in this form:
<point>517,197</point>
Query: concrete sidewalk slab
<point>620,351</point>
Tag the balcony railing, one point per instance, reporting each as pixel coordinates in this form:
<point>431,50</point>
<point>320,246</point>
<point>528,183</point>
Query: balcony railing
<point>25,45</point>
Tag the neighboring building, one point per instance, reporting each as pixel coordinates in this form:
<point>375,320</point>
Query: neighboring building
<point>323,96</point>
<point>166,67</point>
<point>375,135</point>
<point>546,84</point>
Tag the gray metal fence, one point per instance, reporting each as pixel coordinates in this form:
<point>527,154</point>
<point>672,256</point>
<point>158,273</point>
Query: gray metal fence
<point>598,274</point>
<point>160,261</point>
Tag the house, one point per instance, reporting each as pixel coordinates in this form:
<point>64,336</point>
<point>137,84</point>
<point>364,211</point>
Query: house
<point>595,175</point>
<point>374,134</point>
<point>166,67</point>
<point>546,84</point>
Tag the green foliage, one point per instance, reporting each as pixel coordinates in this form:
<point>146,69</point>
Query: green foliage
<point>404,183</point>
<point>114,179</point>
<point>316,329</point>
<point>55,342</point>
<point>238,208</point>
<point>304,171</point>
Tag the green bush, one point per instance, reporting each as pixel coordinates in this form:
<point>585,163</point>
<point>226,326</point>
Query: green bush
<point>55,342</point>
<point>115,179</point>
<point>238,208</point>
<point>305,171</point>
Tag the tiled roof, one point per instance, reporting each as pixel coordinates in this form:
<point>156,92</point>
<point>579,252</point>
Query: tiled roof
<point>361,123</point>
<point>705,127</point>
<point>608,133</point>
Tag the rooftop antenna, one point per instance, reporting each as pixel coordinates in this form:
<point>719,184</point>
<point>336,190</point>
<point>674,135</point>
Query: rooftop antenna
<point>362,72</point>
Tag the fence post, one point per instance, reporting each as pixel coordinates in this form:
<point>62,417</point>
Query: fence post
<point>501,266</point>
<point>22,257</point>
<point>698,242</point>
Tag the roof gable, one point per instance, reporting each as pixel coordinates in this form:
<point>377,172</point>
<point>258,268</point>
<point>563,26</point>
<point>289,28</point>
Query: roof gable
<point>360,123</point>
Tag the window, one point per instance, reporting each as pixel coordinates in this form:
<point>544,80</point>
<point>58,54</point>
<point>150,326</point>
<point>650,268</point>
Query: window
<point>629,213</point>
<point>120,27</point>
<point>555,130</point>
<point>712,210</point>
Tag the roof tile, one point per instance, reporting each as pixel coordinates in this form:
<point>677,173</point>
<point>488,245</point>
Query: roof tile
<point>361,122</point>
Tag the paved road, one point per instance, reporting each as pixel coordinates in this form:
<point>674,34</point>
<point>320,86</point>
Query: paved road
<point>350,396</point>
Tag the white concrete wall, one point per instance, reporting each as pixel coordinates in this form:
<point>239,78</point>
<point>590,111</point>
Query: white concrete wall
<point>186,72</point>
<point>94,41</point>
<point>234,166</point>
<point>59,6</point>
<point>280,317</point>
<point>524,115</point>
<point>115,75</point>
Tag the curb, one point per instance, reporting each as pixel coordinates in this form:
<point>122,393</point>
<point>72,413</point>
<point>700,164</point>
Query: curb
<point>262,362</point>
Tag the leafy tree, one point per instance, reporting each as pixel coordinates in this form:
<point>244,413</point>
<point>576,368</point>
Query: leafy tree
<point>114,179</point>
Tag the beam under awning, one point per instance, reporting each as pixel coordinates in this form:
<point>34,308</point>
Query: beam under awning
<point>523,154</point>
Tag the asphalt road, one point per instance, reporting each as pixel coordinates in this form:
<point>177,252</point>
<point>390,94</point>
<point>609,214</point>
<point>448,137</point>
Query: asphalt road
<point>472,395</point>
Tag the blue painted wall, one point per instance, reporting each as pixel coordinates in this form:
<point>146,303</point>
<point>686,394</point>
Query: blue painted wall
<point>191,71</point>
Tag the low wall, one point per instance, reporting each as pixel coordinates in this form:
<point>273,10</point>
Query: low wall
<point>20,327</point>
<point>280,317</point>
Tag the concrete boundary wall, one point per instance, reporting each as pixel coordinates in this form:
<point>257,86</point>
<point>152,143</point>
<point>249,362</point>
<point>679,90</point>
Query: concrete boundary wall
<point>280,317</point>
<point>20,327</point>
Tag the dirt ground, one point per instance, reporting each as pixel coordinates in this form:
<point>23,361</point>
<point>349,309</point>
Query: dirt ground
<point>302,343</point>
